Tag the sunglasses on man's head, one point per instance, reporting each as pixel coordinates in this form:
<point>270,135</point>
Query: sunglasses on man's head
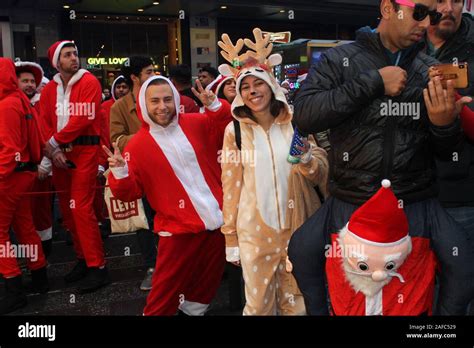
<point>421,11</point>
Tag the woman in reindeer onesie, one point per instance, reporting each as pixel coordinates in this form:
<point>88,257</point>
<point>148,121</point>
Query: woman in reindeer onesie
<point>265,197</point>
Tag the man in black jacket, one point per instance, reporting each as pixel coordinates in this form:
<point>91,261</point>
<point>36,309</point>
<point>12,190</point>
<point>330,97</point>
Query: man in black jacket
<point>370,95</point>
<point>452,41</point>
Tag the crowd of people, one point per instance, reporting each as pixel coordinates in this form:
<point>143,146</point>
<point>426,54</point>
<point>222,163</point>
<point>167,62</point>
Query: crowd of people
<point>209,160</point>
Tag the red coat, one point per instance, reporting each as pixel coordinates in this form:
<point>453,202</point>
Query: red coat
<point>414,297</point>
<point>85,96</point>
<point>190,106</point>
<point>20,137</point>
<point>177,169</point>
<point>467,119</point>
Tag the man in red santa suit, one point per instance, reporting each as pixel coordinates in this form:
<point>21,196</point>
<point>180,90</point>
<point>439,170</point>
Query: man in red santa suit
<point>374,267</point>
<point>173,161</point>
<point>70,107</point>
<point>30,76</point>
<point>20,153</point>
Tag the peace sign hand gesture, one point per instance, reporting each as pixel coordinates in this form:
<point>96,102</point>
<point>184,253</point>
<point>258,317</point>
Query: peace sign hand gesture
<point>206,97</point>
<point>115,159</point>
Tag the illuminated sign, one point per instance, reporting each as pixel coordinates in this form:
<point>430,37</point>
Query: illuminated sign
<point>283,37</point>
<point>108,61</point>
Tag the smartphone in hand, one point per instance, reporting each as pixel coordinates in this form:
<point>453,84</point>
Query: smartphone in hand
<point>458,73</point>
<point>294,151</point>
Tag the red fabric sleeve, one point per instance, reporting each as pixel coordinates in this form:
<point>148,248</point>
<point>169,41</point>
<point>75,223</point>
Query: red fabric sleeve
<point>10,137</point>
<point>190,106</point>
<point>219,120</point>
<point>90,92</point>
<point>127,189</point>
<point>467,120</point>
<point>46,113</point>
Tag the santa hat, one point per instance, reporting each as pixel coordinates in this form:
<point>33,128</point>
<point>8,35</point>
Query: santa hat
<point>55,50</point>
<point>257,62</point>
<point>380,220</point>
<point>30,67</point>
<point>222,83</point>
<point>214,84</point>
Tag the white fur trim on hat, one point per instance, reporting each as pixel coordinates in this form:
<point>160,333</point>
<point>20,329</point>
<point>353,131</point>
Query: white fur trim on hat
<point>35,69</point>
<point>57,51</point>
<point>113,86</point>
<point>222,83</point>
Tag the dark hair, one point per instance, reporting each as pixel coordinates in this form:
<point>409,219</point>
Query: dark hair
<point>122,80</point>
<point>221,94</point>
<point>276,107</point>
<point>181,74</point>
<point>209,69</point>
<point>158,82</point>
<point>395,5</point>
<point>136,65</point>
<point>21,71</point>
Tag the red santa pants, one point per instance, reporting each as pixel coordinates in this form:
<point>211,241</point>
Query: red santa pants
<point>41,205</point>
<point>76,199</point>
<point>15,211</point>
<point>188,272</point>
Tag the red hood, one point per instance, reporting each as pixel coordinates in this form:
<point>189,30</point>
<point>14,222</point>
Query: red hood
<point>8,79</point>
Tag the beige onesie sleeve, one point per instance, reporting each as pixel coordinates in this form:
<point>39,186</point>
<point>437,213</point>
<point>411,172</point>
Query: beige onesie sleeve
<point>232,175</point>
<point>316,169</point>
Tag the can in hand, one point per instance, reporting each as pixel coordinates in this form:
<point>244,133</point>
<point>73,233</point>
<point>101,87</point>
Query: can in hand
<point>294,151</point>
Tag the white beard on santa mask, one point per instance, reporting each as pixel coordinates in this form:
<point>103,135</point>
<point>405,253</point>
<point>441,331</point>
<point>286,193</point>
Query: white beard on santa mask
<point>363,284</point>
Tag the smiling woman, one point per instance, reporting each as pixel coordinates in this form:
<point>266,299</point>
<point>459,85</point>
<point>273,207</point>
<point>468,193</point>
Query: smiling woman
<point>263,192</point>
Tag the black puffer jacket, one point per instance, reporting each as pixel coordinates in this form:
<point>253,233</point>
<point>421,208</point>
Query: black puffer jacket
<point>456,179</point>
<point>344,92</point>
<point>461,47</point>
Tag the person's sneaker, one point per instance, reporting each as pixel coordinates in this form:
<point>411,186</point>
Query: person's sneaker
<point>77,273</point>
<point>95,279</point>
<point>146,283</point>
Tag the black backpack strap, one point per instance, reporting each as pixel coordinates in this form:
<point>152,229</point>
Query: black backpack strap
<point>238,136</point>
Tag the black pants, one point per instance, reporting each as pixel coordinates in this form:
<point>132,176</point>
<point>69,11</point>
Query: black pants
<point>451,244</point>
<point>147,240</point>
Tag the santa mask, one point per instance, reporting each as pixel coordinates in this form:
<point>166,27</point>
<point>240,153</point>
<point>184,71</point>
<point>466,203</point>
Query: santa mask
<point>375,243</point>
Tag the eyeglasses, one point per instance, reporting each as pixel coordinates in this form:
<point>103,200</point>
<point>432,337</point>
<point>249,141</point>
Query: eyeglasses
<point>421,11</point>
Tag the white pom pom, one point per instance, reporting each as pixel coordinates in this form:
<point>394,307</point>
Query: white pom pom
<point>386,183</point>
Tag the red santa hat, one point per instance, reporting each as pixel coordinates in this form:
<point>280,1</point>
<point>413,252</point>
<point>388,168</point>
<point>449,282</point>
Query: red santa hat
<point>215,83</point>
<point>30,67</point>
<point>381,219</point>
<point>222,83</point>
<point>55,50</point>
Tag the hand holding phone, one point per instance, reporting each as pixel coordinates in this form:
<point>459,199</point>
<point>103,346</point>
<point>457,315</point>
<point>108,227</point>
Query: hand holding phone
<point>458,73</point>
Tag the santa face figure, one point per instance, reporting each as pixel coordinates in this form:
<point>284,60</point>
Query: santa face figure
<point>369,266</point>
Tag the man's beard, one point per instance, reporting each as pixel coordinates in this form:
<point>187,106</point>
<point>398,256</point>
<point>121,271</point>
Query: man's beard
<point>445,34</point>
<point>30,95</point>
<point>363,284</point>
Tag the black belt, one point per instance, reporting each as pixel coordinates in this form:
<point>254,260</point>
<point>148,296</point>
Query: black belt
<point>26,167</point>
<point>84,140</point>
